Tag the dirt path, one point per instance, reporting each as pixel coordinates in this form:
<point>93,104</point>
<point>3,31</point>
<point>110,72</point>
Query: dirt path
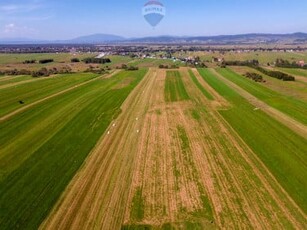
<point>97,196</point>
<point>294,125</point>
<point>3,118</point>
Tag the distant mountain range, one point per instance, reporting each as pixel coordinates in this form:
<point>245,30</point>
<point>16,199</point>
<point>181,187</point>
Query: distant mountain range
<point>295,38</point>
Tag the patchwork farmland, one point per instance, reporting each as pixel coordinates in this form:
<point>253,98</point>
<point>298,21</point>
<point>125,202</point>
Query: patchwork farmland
<point>152,148</point>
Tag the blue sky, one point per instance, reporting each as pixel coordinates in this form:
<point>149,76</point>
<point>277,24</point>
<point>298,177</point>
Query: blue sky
<point>64,19</point>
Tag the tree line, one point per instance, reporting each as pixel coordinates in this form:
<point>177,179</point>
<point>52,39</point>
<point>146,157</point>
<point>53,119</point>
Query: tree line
<point>286,64</point>
<point>96,60</point>
<point>255,65</point>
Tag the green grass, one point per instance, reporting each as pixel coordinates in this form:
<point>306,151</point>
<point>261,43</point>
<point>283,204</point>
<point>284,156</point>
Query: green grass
<point>292,107</point>
<point>298,72</point>
<point>200,87</point>
<point>137,227</point>
<point>15,79</point>
<point>137,209</point>
<point>64,129</point>
<point>174,87</point>
<point>195,114</point>
<point>280,149</point>
<point>33,91</point>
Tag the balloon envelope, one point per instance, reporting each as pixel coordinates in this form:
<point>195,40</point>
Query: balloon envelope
<point>153,12</point>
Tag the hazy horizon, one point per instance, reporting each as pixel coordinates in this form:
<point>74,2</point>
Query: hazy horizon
<point>67,19</point>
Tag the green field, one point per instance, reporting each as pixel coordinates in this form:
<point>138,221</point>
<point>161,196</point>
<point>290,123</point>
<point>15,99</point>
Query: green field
<point>33,91</point>
<point>298,72</point>
<point>282,151</point>
<point>43,147</point>
<point>14,79</point>
<point>174,87</point>
<point>291,106</point>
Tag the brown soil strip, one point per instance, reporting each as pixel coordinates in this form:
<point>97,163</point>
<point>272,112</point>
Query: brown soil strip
<point>294,125</point>
<point>3,118</point>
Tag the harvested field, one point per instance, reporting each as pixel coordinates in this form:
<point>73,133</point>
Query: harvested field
<point>167,163</point>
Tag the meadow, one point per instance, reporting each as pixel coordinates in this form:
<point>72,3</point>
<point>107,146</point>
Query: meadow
<point>286,104</point>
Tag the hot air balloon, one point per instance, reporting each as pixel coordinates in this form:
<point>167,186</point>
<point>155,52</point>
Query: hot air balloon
<point>153,12</point>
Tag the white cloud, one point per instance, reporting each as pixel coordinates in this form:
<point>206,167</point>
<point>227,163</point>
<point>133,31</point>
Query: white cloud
<point>12,29</point>
<point>9,28</point>
<point>18,8</point>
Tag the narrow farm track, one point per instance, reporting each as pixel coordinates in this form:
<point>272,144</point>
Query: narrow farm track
<point>97,195</point>
<point>294,125</point>
<point>7,116</point>
<point>219,100</point>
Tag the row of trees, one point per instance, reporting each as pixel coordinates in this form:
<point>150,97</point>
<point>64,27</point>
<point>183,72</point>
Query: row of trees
<point>15,72</point>
<point>33,61</point>
<point>44,72</point>
<point>168,66</point>
<point>96,60</point>
<point>29,61</point>
<point>275,74</point>
<point>126,67</point>
<point>255,64</point>
<point>241,63</point>
<point>286,64</point>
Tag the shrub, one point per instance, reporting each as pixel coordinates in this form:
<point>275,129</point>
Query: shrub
<point>44,61</point>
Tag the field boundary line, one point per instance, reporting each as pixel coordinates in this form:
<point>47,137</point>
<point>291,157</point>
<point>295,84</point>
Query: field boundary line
<point>292,124</point>
<point>5,117</point>
<point>222,102</point>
